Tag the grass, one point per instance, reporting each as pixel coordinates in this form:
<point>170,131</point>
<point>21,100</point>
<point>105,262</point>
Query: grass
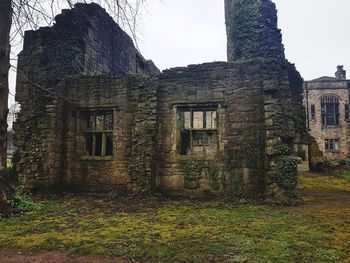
<point>331,183</point>
<point>187,230</point>
<point>345,175</point>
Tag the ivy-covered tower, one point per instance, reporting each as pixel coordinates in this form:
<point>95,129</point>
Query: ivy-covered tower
<point>252,34</point>
<point>252,30</point>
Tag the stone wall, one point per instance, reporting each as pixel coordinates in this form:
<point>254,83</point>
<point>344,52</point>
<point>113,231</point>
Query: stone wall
<point>252,33</point>
<point>145,133</point>
<point>84,41</point>
<point>236,90</point>
<point>133,104</point>
<point>216,128</point>
<point>248,101</point>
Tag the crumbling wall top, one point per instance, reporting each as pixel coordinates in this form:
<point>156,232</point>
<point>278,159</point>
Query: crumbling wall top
<point>85,40</point>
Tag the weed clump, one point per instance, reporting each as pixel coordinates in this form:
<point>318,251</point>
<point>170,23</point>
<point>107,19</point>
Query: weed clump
<point>23,203</point>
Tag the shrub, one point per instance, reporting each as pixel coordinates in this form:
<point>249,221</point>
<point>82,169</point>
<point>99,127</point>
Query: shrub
<point>284,150</point>
<point>335,166</point>
<point>285,172</point>
<point>23,203</point>
<point>344,175</point>
<point>285,169</point>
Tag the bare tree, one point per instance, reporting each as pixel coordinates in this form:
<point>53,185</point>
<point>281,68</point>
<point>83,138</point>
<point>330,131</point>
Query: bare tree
<point>5,27</point>
<point>16,16</point>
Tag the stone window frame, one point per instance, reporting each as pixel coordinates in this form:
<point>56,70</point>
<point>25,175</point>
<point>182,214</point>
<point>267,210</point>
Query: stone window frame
<point>197,107</point>
<point>81,133</point>
<point>330,109</point>
<point>332,145</point>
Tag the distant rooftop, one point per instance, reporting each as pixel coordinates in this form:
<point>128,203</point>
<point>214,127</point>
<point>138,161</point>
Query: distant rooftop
<point>325,78</point>
<point>340,75</point>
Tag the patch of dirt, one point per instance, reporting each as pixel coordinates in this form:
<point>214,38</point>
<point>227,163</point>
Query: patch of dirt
<point>7,211</point>
<point>16,256</point>
<point>323,201</point>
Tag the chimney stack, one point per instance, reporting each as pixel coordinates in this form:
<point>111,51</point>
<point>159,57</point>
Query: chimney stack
<point>341,73</point>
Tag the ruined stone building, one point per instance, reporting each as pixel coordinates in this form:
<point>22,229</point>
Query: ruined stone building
<point>96,116</point>
<point>328,114</point>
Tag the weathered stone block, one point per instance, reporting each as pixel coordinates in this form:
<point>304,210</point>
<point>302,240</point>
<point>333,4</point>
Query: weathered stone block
<point>174,181</point>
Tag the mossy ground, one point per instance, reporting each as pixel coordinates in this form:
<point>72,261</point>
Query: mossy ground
<point>345,175</point>
<point>192,230</point>
<point>340,182</point>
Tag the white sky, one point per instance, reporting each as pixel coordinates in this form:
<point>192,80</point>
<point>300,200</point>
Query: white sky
<point>316,33</point>
<point>181,32</point>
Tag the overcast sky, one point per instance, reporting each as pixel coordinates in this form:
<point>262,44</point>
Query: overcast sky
<point>316,33</point>
<point>181,32</point>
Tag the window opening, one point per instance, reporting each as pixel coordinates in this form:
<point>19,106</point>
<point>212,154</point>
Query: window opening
<point>98,133</point>
<point>330,111</point>
<point>198,131</point>
<point>347,112</point>
<point>313,112</point>
<point>332,144</point>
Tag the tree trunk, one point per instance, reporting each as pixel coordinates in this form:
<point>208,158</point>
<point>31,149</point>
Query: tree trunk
<point>5,26</point>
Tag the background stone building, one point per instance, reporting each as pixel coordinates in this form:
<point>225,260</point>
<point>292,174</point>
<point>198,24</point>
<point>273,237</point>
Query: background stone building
<point>328,115</point>
<point>96,116</point>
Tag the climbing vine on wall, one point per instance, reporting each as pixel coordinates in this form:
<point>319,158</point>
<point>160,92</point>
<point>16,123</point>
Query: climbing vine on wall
<point>245,15</point>
<point>285,168</point>
<point>29,137</point>
<point>195,170</point>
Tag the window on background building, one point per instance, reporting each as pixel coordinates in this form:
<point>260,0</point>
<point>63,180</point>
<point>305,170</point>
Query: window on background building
<point>332,144</point>
<point>330,110</point>
<point>198,131</point>
<point>313,112</point>
<point>347,112</point>
<point>98,133</point>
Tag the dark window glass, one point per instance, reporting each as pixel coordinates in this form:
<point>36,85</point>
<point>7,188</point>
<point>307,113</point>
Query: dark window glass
<point>98,146</point>
<point>332,144</point>
<point>330,111</point>
<point>88,143</point>
<point>109,144</point>
<point>313,112</point>
<point>91,122</point>
<point>347,112</point>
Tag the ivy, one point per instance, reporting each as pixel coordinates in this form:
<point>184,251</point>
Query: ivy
<point>243,26</point>
<point>285,169</point>
<point>195,170</point>
<point>284,150</point>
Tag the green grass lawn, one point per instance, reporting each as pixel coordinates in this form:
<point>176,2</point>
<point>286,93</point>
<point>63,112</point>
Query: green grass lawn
<point>192,230</point>
<point>345,175</point>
